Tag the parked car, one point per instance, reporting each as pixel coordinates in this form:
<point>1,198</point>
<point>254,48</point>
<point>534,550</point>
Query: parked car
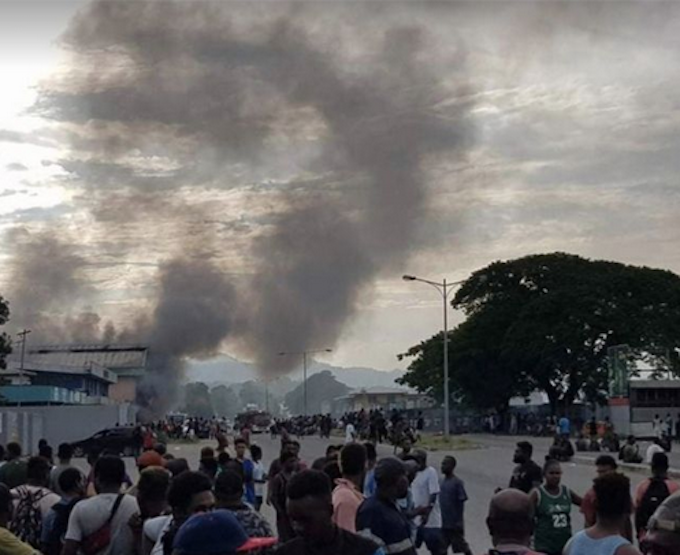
<point>125,440</point>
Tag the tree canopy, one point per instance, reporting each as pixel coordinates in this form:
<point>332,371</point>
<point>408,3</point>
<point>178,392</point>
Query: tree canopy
<point>545,322</point>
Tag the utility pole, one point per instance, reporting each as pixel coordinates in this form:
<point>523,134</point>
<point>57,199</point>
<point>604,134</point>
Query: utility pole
<point>304,366</point>
<point>23,334</point>
<point>266,395</point>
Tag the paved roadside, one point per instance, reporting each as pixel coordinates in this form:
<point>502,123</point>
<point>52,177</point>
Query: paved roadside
<point>543,444</point>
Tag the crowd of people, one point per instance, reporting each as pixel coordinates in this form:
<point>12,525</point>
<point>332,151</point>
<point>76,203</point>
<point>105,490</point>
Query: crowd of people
<point>367,425</point>
<point>348,501</point>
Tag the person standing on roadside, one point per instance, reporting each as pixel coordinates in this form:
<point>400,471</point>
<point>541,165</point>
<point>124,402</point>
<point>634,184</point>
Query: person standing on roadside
<point>552,501</point>
<point>527,474</point>
<point>452,498</point>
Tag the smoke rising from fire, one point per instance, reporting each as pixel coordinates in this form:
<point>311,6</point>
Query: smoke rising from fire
<point>326,113</point>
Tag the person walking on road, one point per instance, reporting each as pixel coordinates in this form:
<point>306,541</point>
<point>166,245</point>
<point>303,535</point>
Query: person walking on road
<point>651,492</point>
<point>425,489</point>
<point>552,501</point>
<point>527,474</point>
<point>612,494</point>
<point>452,498</point>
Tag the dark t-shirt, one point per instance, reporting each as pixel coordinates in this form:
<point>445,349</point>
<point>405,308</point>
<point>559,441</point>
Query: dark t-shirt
<point>525,476</point>
<point>342,543</point>
<point>452,498</point>
<point>385,521</point>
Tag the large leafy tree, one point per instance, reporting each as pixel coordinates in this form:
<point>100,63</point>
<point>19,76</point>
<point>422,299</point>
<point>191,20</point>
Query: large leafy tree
<point>5,343</point>
<point>546,322</point>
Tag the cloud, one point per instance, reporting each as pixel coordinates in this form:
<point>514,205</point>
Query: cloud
<point>16,167</point>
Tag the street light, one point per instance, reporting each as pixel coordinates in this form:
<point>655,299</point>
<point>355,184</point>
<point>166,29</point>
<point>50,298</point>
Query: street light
<point>443,288</point>
<point>304,367</point>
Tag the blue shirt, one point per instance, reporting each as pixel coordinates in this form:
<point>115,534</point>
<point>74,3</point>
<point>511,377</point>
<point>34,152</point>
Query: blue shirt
<point>249,490</point>
<point>452,498</point>
<point>369,483</point>
<point>565,425</point>
<point>383,522</point>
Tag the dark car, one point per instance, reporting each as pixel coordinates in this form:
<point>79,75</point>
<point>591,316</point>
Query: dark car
<point>125,440</point>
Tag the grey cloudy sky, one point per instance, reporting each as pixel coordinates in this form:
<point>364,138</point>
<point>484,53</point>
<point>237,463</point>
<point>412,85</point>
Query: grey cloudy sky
<point>320,150</point>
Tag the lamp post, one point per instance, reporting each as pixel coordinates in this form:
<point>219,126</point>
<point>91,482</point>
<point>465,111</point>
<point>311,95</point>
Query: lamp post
<point>443,288</point>
<point>304,367</point>
<point>24,335</point>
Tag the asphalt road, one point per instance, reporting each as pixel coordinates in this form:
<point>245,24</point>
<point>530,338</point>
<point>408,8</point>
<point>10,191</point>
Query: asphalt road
<point>482,469</point>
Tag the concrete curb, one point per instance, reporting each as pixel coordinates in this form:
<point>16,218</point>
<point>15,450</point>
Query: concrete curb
<point>635,467</point>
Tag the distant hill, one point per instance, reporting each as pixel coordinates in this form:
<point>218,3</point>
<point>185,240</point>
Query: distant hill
<point>226,369</point>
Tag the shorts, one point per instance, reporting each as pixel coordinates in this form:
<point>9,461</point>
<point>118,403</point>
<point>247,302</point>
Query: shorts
<point>433,540</point>
<point>455,538</point>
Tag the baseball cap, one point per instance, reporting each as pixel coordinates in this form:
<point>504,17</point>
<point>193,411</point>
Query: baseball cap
<point>216,533</point>
<point>150,458</point>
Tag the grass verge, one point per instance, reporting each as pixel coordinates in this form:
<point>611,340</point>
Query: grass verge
<point>439,443</point>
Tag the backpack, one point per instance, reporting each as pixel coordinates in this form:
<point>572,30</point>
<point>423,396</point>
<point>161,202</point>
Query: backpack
<point>27,521</point>
<point>59,525</point>
<point>656,492</point>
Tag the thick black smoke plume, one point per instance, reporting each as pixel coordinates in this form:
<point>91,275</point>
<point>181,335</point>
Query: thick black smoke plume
<point>326,114</point>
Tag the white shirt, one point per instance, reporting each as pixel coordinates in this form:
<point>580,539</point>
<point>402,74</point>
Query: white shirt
<point>90,515</point>
<point>426,484</point>
<point>653,448</point>
<point>258,474</point>
<point>350,431</point>
<point>154,530</point>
